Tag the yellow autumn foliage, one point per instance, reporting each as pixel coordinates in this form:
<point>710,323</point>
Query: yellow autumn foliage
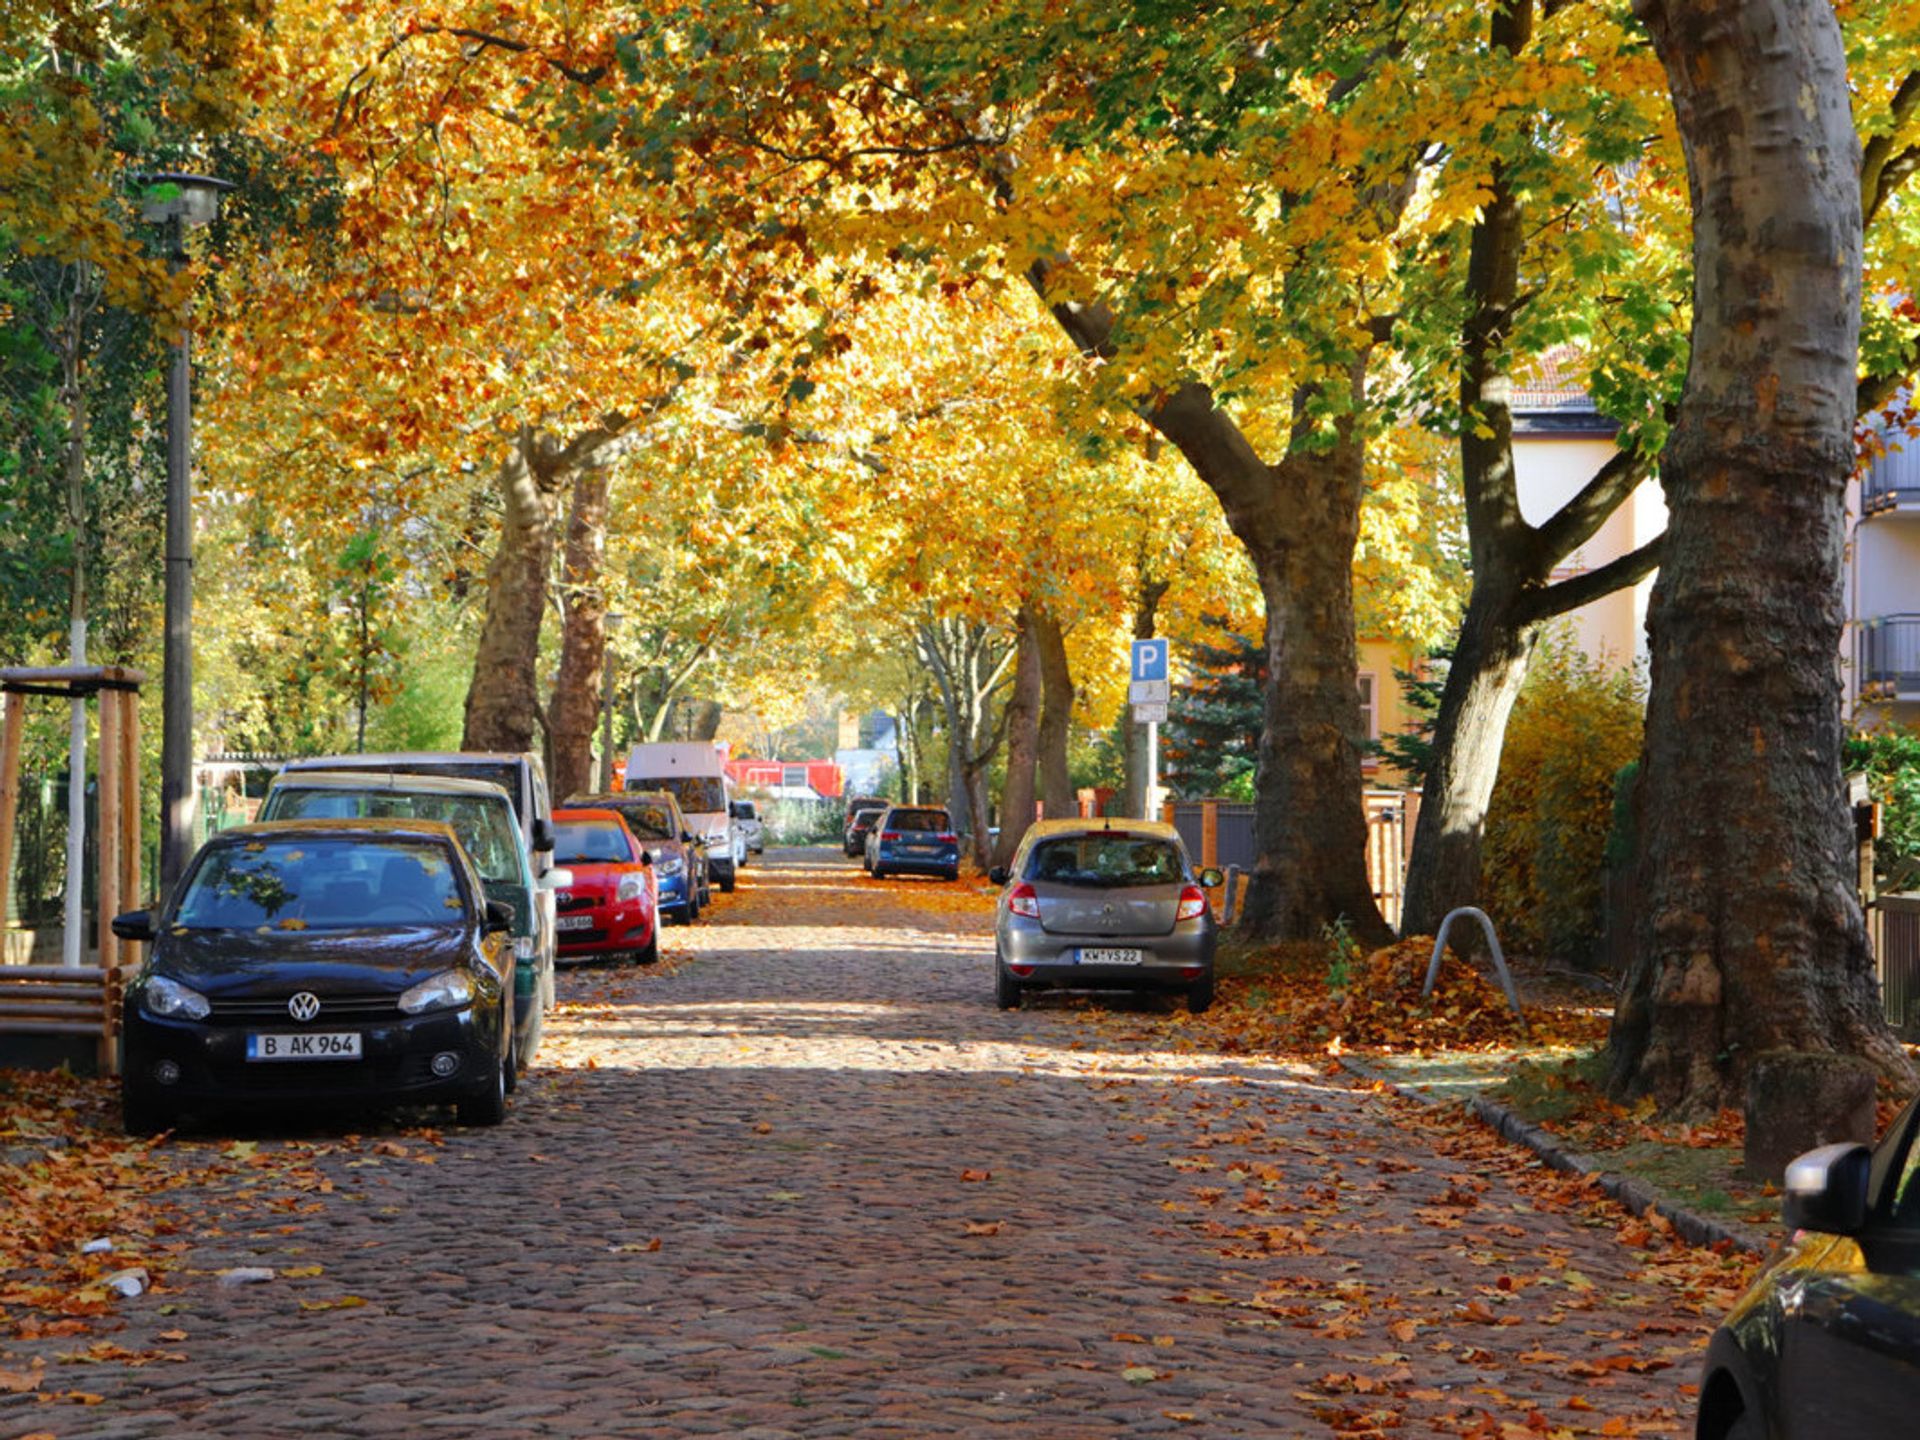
<point>1576,724</point>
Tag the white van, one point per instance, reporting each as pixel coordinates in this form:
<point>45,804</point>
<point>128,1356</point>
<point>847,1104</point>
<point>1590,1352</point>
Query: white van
<point>695,772</point>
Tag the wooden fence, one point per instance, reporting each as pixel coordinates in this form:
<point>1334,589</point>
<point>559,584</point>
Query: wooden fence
<point>1220,832</point>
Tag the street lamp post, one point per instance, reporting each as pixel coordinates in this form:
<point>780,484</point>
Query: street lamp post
<point>613,620</point>
<point>181,203</point>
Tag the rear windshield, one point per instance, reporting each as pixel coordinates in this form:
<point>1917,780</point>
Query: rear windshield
<point>867,817</point>
<point>321,883</point>
<point>1109,861</point>
<point>485,826</point>
<point>743,810</point>
<point>931,821</point>
<point>590,842</point>
<point>697,794</point>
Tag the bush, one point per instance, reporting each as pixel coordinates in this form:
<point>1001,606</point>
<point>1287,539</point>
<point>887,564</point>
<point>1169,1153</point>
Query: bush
<point>1575,727</point>
<point>1890,757</point>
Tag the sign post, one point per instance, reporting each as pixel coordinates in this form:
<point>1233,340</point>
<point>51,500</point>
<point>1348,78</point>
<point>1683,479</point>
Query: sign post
<point>1149,692</point>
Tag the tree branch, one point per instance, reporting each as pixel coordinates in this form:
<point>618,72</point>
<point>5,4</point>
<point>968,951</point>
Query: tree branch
<point>1576,521</point>
<point>1618,573</point>
<point>1883,169</point>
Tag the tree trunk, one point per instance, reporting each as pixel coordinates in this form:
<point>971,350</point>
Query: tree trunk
<point>503,697</point>
<point>1023,743</point>
<point>1489,665</point>
<point>1299,520</point>
<point>1750,937</point>
<point>574,712</point>
<point>1056,718</point>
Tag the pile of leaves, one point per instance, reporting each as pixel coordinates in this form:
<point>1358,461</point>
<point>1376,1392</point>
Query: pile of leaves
<point>1325,995</point>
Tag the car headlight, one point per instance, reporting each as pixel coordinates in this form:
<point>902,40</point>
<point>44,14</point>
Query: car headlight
<point>631,887</point>
<point>670,864</point>
<point>448,990</point>
<point>174,1000</point>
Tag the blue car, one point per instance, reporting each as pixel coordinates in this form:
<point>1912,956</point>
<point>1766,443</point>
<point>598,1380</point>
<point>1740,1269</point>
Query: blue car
<point>913,840</point>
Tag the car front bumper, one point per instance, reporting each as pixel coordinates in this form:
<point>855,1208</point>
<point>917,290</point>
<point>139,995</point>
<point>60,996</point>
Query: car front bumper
<point>615,928</point>
<point>395,1064</point>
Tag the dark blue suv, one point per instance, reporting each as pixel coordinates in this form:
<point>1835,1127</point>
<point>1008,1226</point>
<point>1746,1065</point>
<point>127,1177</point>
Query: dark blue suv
<point>913,840</point>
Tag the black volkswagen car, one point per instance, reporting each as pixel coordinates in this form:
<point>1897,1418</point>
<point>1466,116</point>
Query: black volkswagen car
<point>312,962</point>
<point>1827,1342</point>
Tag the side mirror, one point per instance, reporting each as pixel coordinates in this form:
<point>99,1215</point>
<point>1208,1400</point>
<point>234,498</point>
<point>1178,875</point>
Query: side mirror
<point>556,879</point>
<point>1212,878</point>
<point>499,916</point>
<point>646,857</point>
<point>998,875</point>
<point>543,836</point>
<point>1826,1190</point>
<point>134,925</point>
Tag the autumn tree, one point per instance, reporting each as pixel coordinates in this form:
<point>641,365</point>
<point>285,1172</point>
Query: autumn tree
<point>1751,938</point>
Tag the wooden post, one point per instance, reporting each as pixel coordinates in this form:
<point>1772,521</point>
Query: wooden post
<point>130,891</point>
<point>10,736</point>
<point>107,834</point>
<point>1209,833</point>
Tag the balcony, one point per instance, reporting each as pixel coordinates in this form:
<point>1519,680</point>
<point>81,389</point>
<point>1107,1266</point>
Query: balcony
<point>1892,482</point>
<point>1889,652</point>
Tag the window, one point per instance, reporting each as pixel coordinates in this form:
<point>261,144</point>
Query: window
<point>1369,712</point>
<point>1107,860</point>
<point>697,794</point>
<point>927,821</point>
<point>484,825</point>
<point>794,777</point>
<point>316,882</point>
<point>590,842</point>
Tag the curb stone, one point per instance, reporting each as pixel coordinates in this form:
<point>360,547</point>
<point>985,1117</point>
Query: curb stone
<point>1635,1195</point>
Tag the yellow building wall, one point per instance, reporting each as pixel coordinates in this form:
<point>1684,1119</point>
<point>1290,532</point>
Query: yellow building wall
<point>1379,658</point>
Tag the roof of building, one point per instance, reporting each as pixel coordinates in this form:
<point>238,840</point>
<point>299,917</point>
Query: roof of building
<point>1550,396</point>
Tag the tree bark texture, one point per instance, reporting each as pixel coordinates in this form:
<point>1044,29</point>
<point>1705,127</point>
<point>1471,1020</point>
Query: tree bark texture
<point>503,696</point>
<point>573,713</point>
<point>1299,520</point>
<point>1057,796</point>
<point>969,663</point>
<point>1750,938</point>
<point>503,704</point>
<point>1023,743</point>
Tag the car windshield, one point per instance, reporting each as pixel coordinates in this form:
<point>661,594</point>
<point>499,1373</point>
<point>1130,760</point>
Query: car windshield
<point>590,842</point>
<point>309,882</point>
<point>743,810</point>
<point>1108,860</point>
<point>649,819</point>
<point>697,794</point>
<point>484,825</point>
<point>504,773</point>
<point>929,821</point>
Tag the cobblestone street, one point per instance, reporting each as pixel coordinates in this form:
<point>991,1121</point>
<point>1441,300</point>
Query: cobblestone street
<point>805,1180</point>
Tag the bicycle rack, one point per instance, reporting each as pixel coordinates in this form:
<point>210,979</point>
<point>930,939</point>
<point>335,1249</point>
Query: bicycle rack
<point>1493,944</point>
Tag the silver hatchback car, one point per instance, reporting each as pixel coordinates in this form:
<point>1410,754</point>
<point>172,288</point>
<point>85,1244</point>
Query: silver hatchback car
<point>1104,905</point>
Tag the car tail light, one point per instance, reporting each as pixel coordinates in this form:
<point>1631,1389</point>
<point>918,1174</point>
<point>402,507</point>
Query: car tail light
<point>1021,970</point>
<point>1023,899</point>
<point>889,834</point>
<point>1191,972</point>
<point>947,837</point>
<point>1193,904</point>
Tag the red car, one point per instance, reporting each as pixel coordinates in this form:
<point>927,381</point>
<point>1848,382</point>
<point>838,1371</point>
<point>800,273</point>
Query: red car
<point>611,908</point>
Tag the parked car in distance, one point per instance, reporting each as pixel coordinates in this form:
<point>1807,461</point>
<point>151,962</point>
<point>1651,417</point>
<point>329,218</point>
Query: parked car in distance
<point>656,823</point>
<point>859,826</point>
<point>857,803</point>
<point>610,907</point>
<point>695,774</point>
<point>753,830</point>
<point>1103,905</point>
<point>310,961</point>
<point>1827,1341</point>
<point>913,840</point>
<point>482,818</point>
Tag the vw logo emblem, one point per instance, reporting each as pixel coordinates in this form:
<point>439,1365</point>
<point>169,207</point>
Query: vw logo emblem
<point>304,1006</point>
<point>562,897</point>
